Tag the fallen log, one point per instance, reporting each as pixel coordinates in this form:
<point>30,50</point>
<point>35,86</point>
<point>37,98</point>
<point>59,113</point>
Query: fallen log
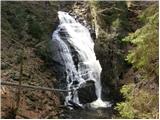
<point>33,87</point>
<point>38,87</point>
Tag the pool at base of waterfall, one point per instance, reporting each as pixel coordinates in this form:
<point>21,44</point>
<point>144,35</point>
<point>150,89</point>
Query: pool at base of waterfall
<point>95,110</point>
<point>99,113</point>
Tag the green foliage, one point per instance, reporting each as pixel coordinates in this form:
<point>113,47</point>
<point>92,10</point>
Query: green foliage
<point>116,23</point>
<point>149,13</point>
<point>139,103</point>
<point>144,56</point>
<point>127,91</point>
<point>125,109</point>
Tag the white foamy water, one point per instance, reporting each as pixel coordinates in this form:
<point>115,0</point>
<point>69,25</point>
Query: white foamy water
<point>73,47</point>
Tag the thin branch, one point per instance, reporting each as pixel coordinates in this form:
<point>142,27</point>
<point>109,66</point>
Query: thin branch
<point>108,9</point>
<point>32,87</point>
<point>20,82</point>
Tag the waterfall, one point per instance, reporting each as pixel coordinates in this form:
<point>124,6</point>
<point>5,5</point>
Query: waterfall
<point>73,48</point>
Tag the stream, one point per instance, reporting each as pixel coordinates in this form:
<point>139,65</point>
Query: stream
<point>99,113</point>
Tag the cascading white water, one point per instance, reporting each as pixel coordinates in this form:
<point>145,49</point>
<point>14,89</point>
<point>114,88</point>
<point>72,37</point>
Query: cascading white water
<point>74,49</point>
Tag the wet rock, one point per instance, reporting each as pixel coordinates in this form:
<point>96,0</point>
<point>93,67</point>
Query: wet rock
<point>87,94</point>
<point>75,106</point>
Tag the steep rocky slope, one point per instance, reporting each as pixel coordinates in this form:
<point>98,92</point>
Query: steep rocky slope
<point>26,28</point>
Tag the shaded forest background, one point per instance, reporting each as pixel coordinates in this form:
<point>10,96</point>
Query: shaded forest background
<point>126,43</point>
